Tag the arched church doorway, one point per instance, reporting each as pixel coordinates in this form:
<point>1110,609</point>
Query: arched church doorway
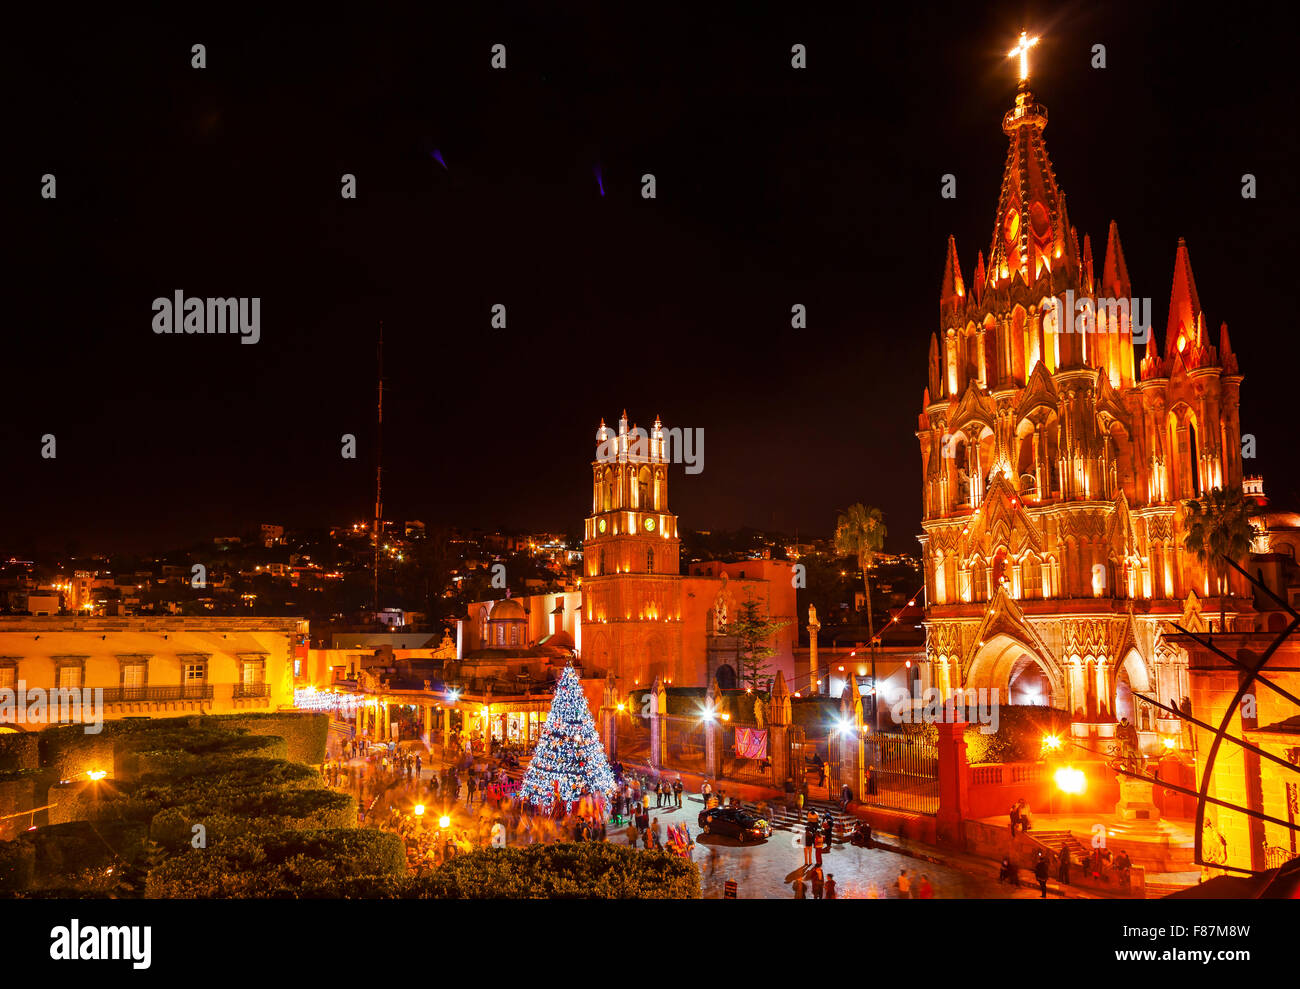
<point>727,677</point>
<point>1029,683</point>
<point>1017,672</point>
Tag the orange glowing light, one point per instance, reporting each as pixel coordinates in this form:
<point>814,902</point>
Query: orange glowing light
<point>1071,780</point>
<point>1022,50</point>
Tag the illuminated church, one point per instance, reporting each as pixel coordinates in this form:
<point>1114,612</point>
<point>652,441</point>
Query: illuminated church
<point>637,615</point>
<point>1055,463</point>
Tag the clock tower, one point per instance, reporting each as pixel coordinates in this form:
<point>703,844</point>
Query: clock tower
<point>631,570</point>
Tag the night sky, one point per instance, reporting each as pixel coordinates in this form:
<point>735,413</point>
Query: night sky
<point>775,187</point>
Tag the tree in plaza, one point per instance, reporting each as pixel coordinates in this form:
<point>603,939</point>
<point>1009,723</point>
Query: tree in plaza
<point>753,630</point>
<point>860,532</point>
<point>568,751</point>
<point>1218,530</point>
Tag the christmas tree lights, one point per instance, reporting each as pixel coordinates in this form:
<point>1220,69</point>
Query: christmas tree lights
<point>569,759</point>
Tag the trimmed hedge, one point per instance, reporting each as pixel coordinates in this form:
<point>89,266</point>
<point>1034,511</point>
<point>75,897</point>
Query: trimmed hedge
<point>592,871</point>
<point>575,871</point>
<point>17,793</point>
<point>192,750</point>
<point>254,813</point>
<point>305,732</point>
<point>19,750</point>
<point>81,845</point>
<point>17,866</point>
<point>280,865</point>
<point>222,776</point>
<point>67,751</point>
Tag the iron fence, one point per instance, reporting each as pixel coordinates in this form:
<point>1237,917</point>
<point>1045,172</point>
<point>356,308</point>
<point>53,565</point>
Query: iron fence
<point>902,773</point>
<point>684,741</point>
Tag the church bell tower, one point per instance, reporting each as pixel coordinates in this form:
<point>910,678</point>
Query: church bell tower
<point>631,553</point>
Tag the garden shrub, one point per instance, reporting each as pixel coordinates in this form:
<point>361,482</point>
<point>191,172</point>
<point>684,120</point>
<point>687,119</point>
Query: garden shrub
<point>17,866</point>
<point>19,750</point>
<point>583,870</point>
<point>62,849</point>
<point>254,813</point>
<point>305,732</point>
<point>282,864</point>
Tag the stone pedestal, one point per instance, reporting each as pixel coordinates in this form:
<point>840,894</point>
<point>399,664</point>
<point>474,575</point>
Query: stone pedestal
<point>954,784</point>
<point>1136,801</point>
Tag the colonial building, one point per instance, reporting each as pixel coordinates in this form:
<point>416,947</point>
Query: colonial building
<point>1055,464</point>
<point>149,667</point>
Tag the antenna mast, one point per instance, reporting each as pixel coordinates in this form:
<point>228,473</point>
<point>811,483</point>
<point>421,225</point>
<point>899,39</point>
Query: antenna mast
<point>379,468</point>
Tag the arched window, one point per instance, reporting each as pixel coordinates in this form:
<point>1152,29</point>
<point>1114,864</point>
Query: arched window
<point>602,560</point>
<point>1031,577</point>
<point>514,635</point>
<point>979,588</point>
<point>650,560</point>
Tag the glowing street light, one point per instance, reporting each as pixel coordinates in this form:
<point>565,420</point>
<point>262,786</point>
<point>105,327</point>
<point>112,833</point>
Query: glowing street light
<point>444,822</point>
<point>1070,780</point>
<point>1051,742</point>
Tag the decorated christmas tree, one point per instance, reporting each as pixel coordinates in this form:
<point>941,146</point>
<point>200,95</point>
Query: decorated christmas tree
<point>568,751</point>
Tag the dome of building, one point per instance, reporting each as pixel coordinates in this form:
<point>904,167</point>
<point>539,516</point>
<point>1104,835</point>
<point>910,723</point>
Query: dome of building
<point>507,609</point>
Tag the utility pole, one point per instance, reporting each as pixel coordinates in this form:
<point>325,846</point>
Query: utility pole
<point>379,468</point>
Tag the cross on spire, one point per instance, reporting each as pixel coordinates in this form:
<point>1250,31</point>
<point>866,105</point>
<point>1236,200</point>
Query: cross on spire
<point>1022,50</point>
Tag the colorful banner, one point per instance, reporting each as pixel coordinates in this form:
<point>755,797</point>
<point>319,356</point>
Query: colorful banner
<point>751,743</point>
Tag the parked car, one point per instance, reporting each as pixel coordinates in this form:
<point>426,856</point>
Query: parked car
<point>737,823</point>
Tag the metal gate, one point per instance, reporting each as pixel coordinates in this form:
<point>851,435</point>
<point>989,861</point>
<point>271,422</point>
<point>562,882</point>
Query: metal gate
<point>903,772</point>
<point>633,738</point>
<point>735,766</point>
<point>684,741</point>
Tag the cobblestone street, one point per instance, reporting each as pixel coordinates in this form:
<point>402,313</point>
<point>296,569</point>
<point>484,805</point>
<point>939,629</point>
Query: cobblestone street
<point>767,870</point>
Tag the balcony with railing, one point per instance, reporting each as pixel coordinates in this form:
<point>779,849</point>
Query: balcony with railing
<point>243,690</point>
<point>173,692</point>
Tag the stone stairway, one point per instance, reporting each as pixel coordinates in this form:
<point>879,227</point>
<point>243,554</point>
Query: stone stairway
<point>1056,840</point>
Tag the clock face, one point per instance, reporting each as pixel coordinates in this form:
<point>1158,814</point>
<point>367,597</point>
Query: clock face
<point>601,525</point>
<point>649,525</point>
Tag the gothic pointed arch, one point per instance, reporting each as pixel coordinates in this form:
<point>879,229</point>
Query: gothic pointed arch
<point>1039,394</point>
<point>974,409</point>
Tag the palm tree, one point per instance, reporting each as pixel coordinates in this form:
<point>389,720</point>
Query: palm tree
<point>1219,529</point>
<point>860,532</point>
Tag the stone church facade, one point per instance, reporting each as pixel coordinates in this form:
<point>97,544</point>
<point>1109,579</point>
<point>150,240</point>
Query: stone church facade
<point>1055,465</point>
<point>637,615</point>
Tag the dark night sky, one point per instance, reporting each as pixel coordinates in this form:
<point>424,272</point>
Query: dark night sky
<point>775,187</point>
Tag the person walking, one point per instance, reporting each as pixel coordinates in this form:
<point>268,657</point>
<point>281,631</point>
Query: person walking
<point>818,847</point>
<point>925,891</point>
<point>818,884</point>
<point>1024,815</point>
<point>830,886</point>
<point>904,885</point>
<point>1014,815</point>
<point>809,836</point>
<point>800,888</point>
<point>1063,868</point>
<point>677,791</point>
<point>1041,873</point>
